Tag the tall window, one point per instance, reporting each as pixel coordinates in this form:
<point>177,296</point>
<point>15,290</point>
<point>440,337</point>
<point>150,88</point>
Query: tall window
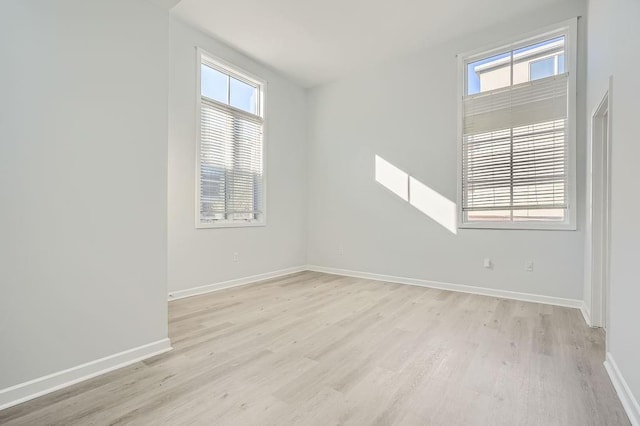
<point>230,175</point>
<point>517,142</point>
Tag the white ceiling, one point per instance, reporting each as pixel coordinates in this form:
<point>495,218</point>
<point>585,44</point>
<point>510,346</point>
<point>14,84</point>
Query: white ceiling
<point>314,42</point>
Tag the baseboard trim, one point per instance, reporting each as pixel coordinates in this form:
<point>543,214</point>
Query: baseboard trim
<point>483,291</point>
<point>586,313</point>
<point>505,294</point>
<point>630,404</point>
<point>195,291</point>
<point>26,391</point>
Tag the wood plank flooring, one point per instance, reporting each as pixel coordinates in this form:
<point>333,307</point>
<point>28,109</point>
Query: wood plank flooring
<point>318,349</point>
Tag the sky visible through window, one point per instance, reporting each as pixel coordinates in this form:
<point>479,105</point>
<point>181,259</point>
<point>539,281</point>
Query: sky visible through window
<point>228,90</point>
<point>215,85</point>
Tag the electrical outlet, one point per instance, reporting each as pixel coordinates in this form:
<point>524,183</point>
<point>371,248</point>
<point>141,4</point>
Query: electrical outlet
<point>236,256</point>
<point>487,263</point>
<point>528,266</point>
<point>340,251</point>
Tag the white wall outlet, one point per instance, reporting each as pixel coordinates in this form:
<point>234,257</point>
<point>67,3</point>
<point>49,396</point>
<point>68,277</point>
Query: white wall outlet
<point>528,266</point>
<point>487,263</point>
<point>340,251</point>
<point>236,256</point>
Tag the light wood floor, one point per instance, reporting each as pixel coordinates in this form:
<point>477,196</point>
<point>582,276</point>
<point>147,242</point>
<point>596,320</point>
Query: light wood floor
<point>317,349</point>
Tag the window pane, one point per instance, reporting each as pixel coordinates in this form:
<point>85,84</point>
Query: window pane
<point>561,64</point>
<point>537,60</point>
<point>489,73</point>
<point>514,155</point>
<point>489,216</point>
<point>541,215</point>
<point>212,192</point>
<point>214,84</point>
<point>243,96</point>
<point>542,68</point>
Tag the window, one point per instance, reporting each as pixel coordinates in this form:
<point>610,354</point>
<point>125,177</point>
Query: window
<point>230,174</point>
<point>517,135</point>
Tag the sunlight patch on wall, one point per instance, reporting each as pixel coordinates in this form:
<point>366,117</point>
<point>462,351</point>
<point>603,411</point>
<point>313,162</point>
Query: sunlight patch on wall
<point>433,204</point>
<point>430,202</point>
<point>392,178</point>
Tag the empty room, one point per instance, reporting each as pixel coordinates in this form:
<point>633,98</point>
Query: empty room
<point>279,212</point>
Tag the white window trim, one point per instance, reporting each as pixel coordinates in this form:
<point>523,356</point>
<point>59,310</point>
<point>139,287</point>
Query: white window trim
<point>570,30</point>
<point>248,77</point>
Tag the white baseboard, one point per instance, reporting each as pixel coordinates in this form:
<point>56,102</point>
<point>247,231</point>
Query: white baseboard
<point>586,313</point>
<point>26,391</point>
<point>629,402</point>
<point>505,294</point>
<point>181,294</point>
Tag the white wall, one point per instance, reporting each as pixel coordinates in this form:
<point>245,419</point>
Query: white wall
<point>200,257</point>
<point>624,337</point>
<point>598,71</point>
<point>83,151</point>
<point>613,50</point>
<point>405,111</point>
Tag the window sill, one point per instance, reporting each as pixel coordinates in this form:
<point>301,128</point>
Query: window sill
<point>230,225</point>
<point>519,226</point>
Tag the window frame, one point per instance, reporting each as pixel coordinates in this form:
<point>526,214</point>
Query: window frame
<point>205,58</point>
<point>568,29</point>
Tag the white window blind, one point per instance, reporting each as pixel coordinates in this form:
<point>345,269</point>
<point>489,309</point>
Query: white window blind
<point>515,151</point>
<point>515,154</point>
<point>231,184</point>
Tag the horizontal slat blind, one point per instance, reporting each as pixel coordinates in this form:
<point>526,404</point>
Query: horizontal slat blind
<point>515,147</point>
<point>231,184</point>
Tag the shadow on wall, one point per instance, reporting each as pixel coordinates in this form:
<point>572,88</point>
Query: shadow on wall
<point>431,203</point>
